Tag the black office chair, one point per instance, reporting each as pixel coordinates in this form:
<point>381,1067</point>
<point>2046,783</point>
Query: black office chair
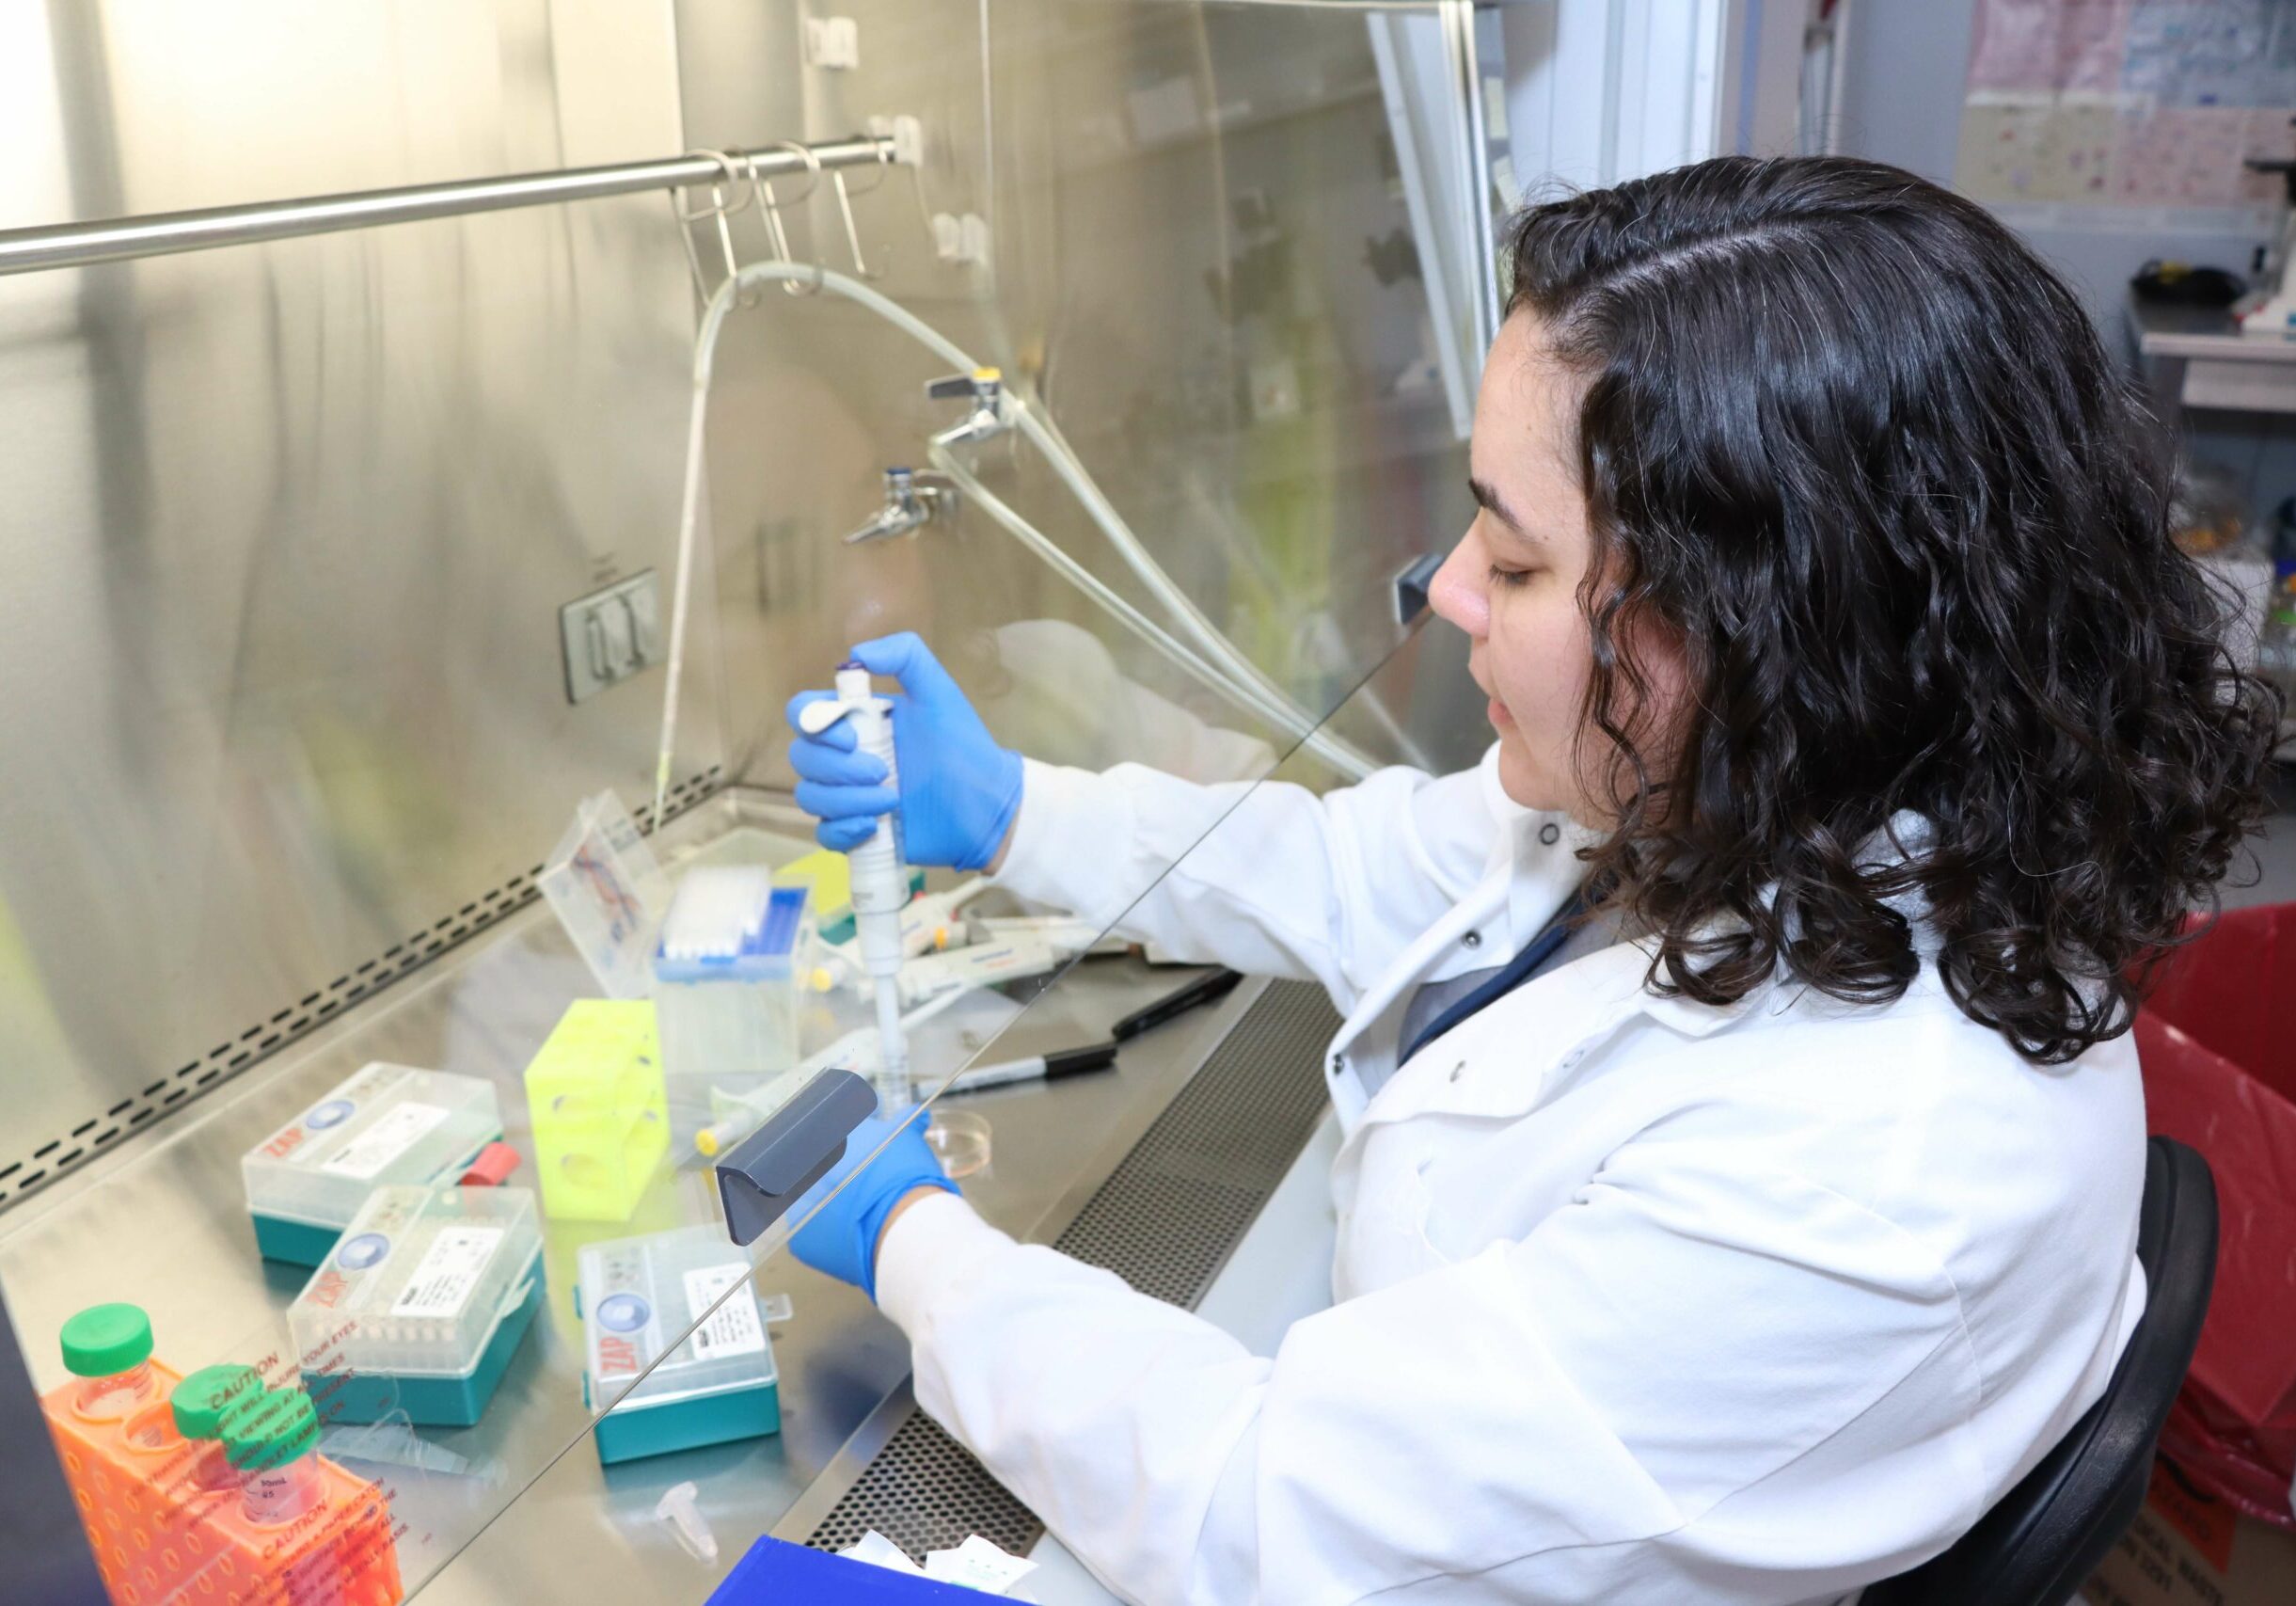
<point>2045,1536</point>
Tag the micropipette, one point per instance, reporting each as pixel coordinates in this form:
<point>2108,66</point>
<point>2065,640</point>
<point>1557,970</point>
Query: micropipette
<point>880,888</point>
<point>977,964</point>
<point>928,923</point>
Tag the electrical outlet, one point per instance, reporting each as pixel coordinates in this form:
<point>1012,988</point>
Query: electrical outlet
<point>907,134</point>
<point>611,634</point>
<point>832,42</point>
<point>960,239</point>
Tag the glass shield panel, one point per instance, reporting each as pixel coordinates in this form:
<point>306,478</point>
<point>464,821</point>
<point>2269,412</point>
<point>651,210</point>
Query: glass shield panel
<point>1222,430</point>
<point>1055,1147</point>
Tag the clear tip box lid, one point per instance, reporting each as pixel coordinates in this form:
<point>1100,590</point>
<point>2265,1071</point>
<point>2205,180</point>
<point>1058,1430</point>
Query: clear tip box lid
<point>418,1282</point>
<point>387,1124</point>
<point>641,1295</point>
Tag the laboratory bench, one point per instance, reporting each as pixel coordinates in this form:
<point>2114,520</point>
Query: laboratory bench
<point>518,1507</point>
<point>2196,356</point>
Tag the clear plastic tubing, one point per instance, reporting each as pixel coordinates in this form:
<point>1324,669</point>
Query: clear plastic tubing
<point>108,1348</point>
<point>1241,682</point>
<point>880,885</point>
<point>273,1444</point>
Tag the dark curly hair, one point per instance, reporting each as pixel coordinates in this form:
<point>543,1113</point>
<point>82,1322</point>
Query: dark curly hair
<point>1859,449</point>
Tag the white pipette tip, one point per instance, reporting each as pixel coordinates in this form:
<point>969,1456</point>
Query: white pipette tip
<point>715,912</point>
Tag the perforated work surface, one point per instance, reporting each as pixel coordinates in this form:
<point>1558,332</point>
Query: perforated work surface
<point>1172,1210</point>
<point>1166,1221</point>
<point>924,1492</point>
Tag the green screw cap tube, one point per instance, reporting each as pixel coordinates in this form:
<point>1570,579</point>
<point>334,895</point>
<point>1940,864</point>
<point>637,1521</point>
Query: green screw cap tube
<point>248,1416</point>
<point>202,1399</point>
<point>105,1340</point>
<point>280,1427</point>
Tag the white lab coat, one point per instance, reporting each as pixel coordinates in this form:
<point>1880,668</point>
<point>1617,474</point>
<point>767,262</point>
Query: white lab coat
<point>1636,1300</point>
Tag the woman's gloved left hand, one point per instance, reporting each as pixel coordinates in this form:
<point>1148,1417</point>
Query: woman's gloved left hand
<point>841,1239</point>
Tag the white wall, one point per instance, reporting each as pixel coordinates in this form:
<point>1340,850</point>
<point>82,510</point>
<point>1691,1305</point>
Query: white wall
<point>1598,92</point>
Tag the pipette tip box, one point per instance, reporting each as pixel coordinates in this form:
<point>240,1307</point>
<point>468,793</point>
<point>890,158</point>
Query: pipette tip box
<point>725,987</point>
<point>420,1306</point>
<point>639,1296</point>
<point>388,1125</point>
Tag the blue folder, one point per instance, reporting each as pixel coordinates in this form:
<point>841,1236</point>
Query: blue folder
<point>777,1573</point>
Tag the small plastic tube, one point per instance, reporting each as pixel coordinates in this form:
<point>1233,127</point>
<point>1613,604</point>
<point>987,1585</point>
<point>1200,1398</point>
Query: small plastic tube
<point>680,1507</point>
<point>273,1443</point>
<point>109,1347</point>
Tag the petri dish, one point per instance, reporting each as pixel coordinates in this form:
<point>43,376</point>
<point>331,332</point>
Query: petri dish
<point>959,1139</point>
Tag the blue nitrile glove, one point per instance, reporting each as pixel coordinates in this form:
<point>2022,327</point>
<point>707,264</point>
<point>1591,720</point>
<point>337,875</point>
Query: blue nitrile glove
<point>960,789</point>
<point>841,1239</point>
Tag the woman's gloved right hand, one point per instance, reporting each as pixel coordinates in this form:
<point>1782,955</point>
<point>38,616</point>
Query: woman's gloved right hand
<point>959,791</point>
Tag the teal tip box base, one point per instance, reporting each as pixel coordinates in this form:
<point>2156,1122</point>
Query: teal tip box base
<point>294,1243</point>
<point>672,1390</point>
<point>291,1242</point>
<point>430,1402</point>
<point>632,1433</point>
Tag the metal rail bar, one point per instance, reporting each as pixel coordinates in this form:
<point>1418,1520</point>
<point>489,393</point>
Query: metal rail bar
<point>124,239</point>
<point>1458,22</point>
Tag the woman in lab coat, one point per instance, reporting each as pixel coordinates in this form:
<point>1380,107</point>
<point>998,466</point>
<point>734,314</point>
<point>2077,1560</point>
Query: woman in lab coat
<point>1770,1209</point>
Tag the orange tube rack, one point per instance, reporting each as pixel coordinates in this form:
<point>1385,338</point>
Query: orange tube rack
<point>158,1537</point>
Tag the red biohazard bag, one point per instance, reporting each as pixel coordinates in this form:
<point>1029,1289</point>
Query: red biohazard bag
<point>2218,1043</point>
